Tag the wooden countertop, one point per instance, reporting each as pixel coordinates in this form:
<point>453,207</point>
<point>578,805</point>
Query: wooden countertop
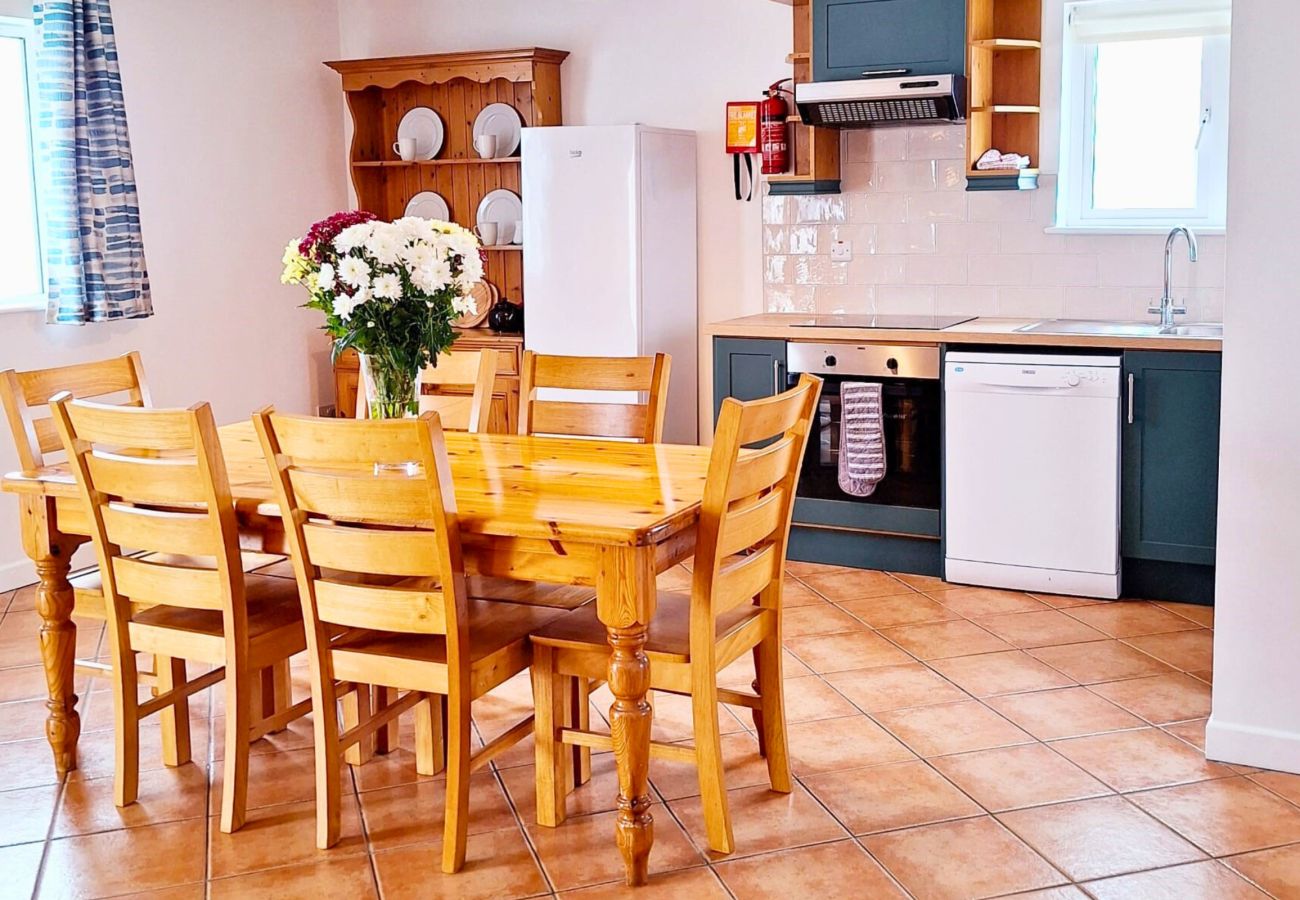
<point>982,330</point>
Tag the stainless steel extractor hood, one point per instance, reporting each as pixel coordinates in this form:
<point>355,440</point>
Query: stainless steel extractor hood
<point>882,101</point>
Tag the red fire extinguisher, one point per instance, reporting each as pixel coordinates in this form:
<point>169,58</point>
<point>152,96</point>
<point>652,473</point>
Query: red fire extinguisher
<point>773,130</point>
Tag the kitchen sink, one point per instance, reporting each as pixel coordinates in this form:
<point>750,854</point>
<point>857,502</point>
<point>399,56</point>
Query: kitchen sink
<point>1123,329</point>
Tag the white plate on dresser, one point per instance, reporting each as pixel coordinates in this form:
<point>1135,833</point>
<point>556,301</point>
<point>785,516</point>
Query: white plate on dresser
<point>428,205</point>
<point>505,209</point>
<point>425,126</point>
<point>501,120</point>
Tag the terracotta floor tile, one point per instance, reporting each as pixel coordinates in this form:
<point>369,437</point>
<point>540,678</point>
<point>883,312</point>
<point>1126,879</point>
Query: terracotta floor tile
<point>1228,816</point>
<point>1140,759</point>
<point>25,683</point>
<point>1124,619</point>
<point>831,745</point>
<point>743,767</point>
<point>1191,651</point>
<point>941,639</point>
<point>809,697</point>
<point>795,593</point>
<point>840,652</point>
<point>27,764</point>
<point>763,820</point>
<point>1199,881</point>
<point>332,879</point>
<point>673,720</point>
<point>1160,699</point>
<point>117,862</point>
<point>276,778</point>
<point>196,891</point>
<point>166,795</point>
<point>884,798</point>
<point>20,865</point>
<point>497,866</point>
<point>95,751</point>
<point>740,673</point>
<point>824,618</point>
<point>1099,661</point>
<point>1099,838</point>
<point>298,736</point>
<point>1013,777</point>
<point>975,601</point>
<point>1276,871</point>
<point>567,851</point>
<point>1071,712</point>
<point>684,884</point>
<point>675,579</point>
<point>25,813</point>
<point>1192,732</point>
<point>280,836</point>
<point>22,719</point>
<point>600,794</point>
<point>1064,892</point>
<point>924,582</point>
<point>1201,615</point>
<point>894,687</point>
<point>1008,672</point>
<point>964,859</point>
<point>1039,629</point>
<point>826,872</point>
<point>899,609</point>
<point>853,584</point>
<point>951,728</point>
<point>1283,784</point>
<point>800,569</point>
<point>415,813</point>
<point>1065,601</point>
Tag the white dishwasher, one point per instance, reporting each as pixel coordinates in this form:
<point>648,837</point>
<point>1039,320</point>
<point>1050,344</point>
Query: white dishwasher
<point>1031,472</point>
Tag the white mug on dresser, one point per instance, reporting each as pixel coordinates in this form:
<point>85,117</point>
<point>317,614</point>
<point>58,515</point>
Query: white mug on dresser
<point>486,146</point>
<point>487,232</point>
<point>405,148</point>
<point>518,236</point>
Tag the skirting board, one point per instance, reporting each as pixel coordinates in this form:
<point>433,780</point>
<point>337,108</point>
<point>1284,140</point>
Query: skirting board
<point>16,574</point>
<point>1246,745</point>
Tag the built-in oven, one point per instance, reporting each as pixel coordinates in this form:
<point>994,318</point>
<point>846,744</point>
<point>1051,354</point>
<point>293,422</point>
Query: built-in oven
<point>906,502</point>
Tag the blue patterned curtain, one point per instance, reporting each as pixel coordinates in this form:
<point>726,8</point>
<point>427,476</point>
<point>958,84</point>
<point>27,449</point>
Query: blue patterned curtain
<point>94,252</point>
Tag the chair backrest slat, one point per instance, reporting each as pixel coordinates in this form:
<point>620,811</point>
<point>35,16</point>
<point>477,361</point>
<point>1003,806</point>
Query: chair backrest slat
<point>154,481</point>
<point>643,422</point>
<point>26,396</point>
<point>400,524</point>
<point>748,500</point>
<point>460,389</point>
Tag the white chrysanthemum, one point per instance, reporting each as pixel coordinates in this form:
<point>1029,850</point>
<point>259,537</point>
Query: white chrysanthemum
<point>353,236</point>
<point>385,243</point>
<point>471,269</point>
<point>325,277</point>
<point>344,305</point>
<point>355,272</point>
<point>463,306</point>
<point>416,228</point>
<point>463,243</point>
<point>388,287</point>
<point>418,255</point>
<point>433,276</point>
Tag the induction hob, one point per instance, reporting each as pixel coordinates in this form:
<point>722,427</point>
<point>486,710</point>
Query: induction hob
<point>914,323</point>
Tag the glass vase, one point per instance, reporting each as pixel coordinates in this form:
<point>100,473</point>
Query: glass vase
<point>391,389</point>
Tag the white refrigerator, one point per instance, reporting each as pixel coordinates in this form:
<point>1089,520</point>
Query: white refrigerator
<point>610,252</point>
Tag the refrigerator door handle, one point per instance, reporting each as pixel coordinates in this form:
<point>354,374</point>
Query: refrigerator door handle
<point>1130,398</point>
<point>777,387</point>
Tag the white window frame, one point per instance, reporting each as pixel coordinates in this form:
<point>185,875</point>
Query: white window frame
<point>1074,190</point>
<point>25,31</point>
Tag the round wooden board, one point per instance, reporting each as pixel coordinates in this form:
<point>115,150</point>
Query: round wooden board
<point>484,295</point>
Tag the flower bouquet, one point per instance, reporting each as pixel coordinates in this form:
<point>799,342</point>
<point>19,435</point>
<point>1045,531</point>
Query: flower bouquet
<point>390,290</point>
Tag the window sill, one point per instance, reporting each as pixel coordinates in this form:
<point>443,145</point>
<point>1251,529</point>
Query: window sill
<point>23,306</point>
<point>1129,229</point>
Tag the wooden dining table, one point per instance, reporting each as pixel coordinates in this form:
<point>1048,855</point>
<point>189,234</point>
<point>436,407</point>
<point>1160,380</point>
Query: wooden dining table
<point>607,514</point>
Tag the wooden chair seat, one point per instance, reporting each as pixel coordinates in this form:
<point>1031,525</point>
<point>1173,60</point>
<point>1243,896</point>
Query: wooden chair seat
<point>274,624</point>
<point>498,646</point>
<point>529,593</point>
<point>669,639</point>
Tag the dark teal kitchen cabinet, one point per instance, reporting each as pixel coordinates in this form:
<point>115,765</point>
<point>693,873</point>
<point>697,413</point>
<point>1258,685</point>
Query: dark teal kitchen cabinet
<point>747,369</point>
<point>1170,456</point>
<point>858,38</point>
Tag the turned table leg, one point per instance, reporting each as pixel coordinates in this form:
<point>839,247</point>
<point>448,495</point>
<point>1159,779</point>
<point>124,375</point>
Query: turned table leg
<point>625,602</point>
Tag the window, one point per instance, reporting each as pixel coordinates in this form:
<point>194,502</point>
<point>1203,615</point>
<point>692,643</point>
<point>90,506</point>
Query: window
<point>1144,114</point>
<point>21,278</point>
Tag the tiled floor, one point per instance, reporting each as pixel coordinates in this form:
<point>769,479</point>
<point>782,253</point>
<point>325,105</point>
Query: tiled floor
<point>947,742</point>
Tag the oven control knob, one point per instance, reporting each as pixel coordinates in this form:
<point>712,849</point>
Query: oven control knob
<point>1072,380</point>
<point>891,364</point>
<point>830,361</point>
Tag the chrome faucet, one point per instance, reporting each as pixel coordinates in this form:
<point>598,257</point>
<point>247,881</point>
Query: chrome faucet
<point>1167,310</point>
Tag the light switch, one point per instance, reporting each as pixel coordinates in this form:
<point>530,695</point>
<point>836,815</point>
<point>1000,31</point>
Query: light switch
<point>841,251</point>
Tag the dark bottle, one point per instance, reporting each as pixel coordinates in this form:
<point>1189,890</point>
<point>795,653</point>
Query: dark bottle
<point>506,317</point>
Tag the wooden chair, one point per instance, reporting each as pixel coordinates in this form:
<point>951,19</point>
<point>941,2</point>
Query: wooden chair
<point>461,383</point>
<point>155,480</point>
<point>378,558</point>
<point>734,607</point>
<point>642,422</point>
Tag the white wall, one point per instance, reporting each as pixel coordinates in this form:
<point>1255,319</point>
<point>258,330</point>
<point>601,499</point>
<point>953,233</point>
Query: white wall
<point>238,143</point>
<point>1256,718</point>
<point>671,63</point>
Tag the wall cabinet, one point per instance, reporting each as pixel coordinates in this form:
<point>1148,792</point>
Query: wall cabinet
<point>1170,456</point>
<point>855,37</point>
<point>747,369</point>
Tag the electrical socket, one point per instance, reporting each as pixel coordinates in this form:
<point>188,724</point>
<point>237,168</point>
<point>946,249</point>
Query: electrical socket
<point>841,251</point>
<point>327,411</point>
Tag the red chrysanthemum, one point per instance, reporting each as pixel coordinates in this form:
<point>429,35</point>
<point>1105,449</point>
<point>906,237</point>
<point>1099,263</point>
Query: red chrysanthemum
<point>322,234</point>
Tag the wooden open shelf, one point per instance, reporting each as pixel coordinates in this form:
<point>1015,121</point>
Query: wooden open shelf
<point>815,152</point>
<point>379,163</point>
<point>1004,62</point>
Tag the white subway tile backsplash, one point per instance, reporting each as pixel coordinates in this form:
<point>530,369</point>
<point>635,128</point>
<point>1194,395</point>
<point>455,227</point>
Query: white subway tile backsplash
<point>922,243</point>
